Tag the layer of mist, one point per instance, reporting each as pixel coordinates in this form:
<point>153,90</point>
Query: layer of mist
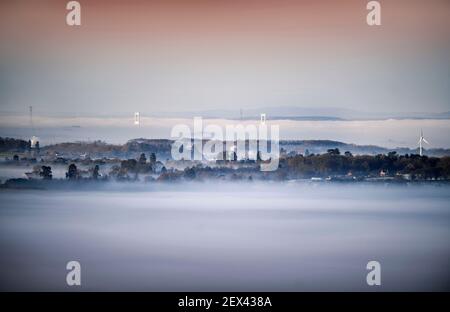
<point>230,237</point>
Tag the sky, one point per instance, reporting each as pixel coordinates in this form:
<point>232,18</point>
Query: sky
<point>199,55</point>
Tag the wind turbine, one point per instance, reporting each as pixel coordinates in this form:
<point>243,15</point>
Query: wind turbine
<point>421,139</point>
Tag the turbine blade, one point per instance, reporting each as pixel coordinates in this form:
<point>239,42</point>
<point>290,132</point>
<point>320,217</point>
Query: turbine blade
<point>425,141</point>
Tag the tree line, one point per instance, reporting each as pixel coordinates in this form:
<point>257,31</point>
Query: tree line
<point>333,163</point>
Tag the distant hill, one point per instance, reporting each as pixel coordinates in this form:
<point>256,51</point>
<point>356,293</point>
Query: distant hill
<point>305,113</point>
<point>162,148</point>
<point>321,146</point>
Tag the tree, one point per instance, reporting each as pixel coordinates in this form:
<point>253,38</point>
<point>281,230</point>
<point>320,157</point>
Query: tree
<point>142,159</point>
<point>72,173</point>
<point>37,147</point>
<point>189,173</point>
<point>16,157</point>
<point>46,172</point>
<point>152,158</point>
<point>392,154</point>
<point>333,151</point>
<point>95,172</point>
<point>348,154</point>
<point>129,164</point>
